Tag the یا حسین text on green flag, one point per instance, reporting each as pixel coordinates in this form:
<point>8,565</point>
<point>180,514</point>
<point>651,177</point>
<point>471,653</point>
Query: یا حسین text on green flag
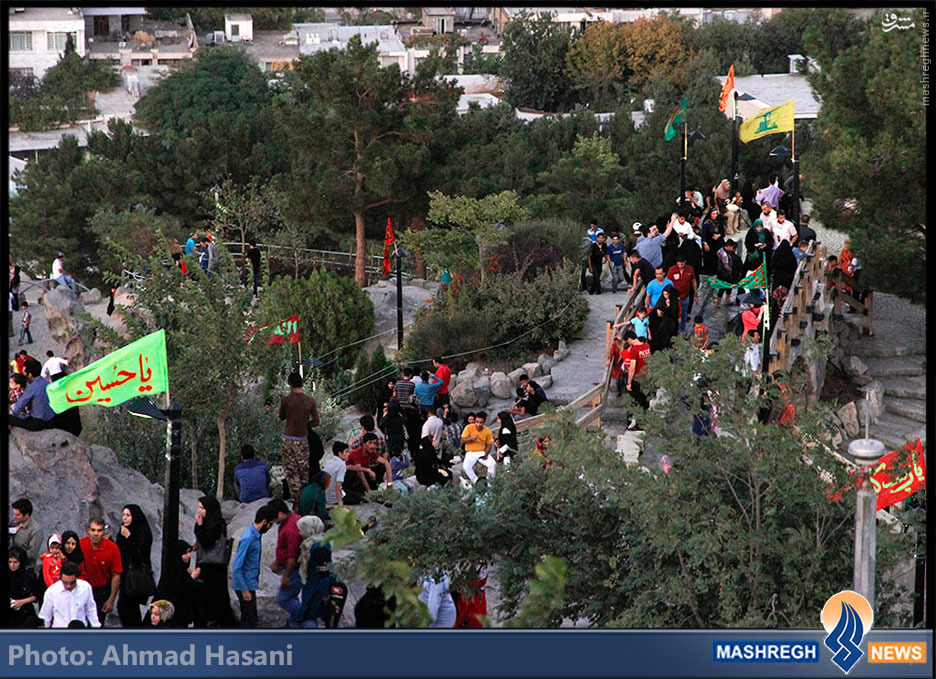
<point>138,369</point>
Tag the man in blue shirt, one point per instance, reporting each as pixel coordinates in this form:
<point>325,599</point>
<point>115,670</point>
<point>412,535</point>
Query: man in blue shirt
<point>190,243</point>
<point>251,477</point>
<point>32,410</point>
<point>245,571</point>
<point>616,258</point>
<point>426,391</point>
<point>651,246</point>
<point>593,231</point>
<point>655,287</point>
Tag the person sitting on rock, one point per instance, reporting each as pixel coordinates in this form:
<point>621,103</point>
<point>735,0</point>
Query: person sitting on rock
<point>531,397</point>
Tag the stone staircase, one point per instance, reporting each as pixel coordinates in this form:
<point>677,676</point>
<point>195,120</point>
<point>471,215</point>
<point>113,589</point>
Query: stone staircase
<point>894,359</point>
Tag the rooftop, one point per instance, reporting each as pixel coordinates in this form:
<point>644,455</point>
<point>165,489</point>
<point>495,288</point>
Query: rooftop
<point>45,14</point>
<point>238,17</point>
<point>323,36</point>
<point>113,11</point>
<point>774,89</point>
<point>270,45</point>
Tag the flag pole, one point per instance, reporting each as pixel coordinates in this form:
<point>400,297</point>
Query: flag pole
<point>682,166</point>
<point>766,348</point>
<point>796,193</point>
<point>735,177</point>
<point>301,371</point>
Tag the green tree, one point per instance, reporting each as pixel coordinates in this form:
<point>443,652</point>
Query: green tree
<point>480,63</point>
<point>204,316</point>
<point>587,183</point>
<point>364,115</point>
<point>332,312</point>
<point>534,62</point>
<point>476,225</point>
<point>870,140</point>
<point>740,533</point>
<point>138,230</point>
<point>597,63</point>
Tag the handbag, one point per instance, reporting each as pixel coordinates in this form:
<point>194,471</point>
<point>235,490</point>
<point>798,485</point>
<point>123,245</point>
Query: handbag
<point>140,583</point>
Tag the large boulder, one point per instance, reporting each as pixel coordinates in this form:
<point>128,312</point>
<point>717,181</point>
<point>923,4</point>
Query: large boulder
<point>92,296</point>
<point>848,416</point>
<point>546,363</point>
<point>75,334</point>
<point>532,369</point>
<point>514,376</point>
<point>855,366</point>
<point>463,395</point>
<point>562,352</point>
<point>501,385</point>
<point>481,386</point>
<point>545,381</point>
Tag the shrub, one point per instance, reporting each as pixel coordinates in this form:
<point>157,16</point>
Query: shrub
<point>332,310</point>
<point>539,245</point>
<point>529,316</point>
<point>367,369</point>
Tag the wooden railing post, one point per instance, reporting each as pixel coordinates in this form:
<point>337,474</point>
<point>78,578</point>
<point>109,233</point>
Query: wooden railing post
<point>608,329</point>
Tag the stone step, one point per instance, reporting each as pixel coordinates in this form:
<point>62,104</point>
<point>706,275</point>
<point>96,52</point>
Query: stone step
<point>911,408</point>
<point>904,387</point>
<point>873,347</point>
<point>914,364</point>
<point>892,439</point>
<point>912,428</point>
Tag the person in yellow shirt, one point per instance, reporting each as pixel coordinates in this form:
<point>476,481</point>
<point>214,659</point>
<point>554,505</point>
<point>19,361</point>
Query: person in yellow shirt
<point>479,444</point>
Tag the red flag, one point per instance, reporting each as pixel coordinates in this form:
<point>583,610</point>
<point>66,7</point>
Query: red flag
<point>726,90</point>
<point>285,329</point>
<point>899,475</point>
<point>389,239</point>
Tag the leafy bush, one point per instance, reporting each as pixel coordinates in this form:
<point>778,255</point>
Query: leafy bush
<point>531,315</point>
<point>368,368</point>
<point>332,310</point>
<point>539,245</point>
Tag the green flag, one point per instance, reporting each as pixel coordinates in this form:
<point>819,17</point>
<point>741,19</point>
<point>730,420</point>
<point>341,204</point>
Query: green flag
<point>678,118</point>
<point>138,369</point>
<point>755,279</point>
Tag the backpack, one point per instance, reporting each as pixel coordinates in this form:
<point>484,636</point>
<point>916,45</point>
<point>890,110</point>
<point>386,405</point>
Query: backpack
<point>735,325</point>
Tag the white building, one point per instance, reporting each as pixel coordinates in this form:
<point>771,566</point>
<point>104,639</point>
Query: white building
<point>238,27</point>
<point>37,37</point>
<point>774,89</point>
<point>112,24</point>
<point>325,36</point>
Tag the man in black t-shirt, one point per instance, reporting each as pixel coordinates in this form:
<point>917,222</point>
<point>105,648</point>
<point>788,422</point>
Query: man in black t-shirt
<point>641,269</point>
<point>253,254</point>
<point>596,258</point>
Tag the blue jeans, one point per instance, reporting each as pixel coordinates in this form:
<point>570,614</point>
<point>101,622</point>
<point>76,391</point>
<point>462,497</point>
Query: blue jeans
<point>683,314</point>
<point>65,279</point>
<point>24,333</point>
<point>288,599</point>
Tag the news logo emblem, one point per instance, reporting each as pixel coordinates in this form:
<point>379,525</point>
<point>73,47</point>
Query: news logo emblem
<point>847,617</point>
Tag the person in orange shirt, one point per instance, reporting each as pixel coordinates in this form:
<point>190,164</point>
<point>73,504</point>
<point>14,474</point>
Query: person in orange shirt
<point>844,261</point>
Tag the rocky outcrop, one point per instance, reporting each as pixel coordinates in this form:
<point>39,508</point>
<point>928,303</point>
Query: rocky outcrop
<point>72,331</point>
<point>501,385</point>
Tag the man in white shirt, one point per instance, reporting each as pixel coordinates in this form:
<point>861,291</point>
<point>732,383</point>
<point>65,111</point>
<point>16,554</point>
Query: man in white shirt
<point>433,427</point>
<point>59,274</point>
<point>783,230</point>
<point>69,599</point>
<point>54,367</point>
<point>336,467</point>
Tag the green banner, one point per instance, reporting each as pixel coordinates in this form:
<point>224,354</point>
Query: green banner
<point>138,369</point>
<point>755,279</point>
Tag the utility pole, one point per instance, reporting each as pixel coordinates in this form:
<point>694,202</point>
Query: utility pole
<point>867,452</point>
<point>735,177</point>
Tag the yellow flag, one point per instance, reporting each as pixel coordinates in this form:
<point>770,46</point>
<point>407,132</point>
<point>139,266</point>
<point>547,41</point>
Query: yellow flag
<point>767,121</point>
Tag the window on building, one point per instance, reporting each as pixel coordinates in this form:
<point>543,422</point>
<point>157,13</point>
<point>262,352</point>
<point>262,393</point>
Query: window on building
<point>56,41</point>
<point>21,41</point>
<point>235,30</point>
<point>21,72</point>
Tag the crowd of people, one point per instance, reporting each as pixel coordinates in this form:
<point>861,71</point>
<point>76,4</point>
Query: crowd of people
<point>670,255</point>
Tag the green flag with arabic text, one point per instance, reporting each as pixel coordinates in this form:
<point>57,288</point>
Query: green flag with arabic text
<point>138,369</point>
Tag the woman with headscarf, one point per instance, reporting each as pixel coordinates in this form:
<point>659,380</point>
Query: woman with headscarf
<point>161,613</point>
<point>713,238</point>
<point>178,584</point>
<point>666,314</point>
<point>23,590</point>
<point>506,437</point>
<point>317,579</point>
<point>782,266</point>
<point>210,550</point>
<point>135,540</point>
<point>71,549</point>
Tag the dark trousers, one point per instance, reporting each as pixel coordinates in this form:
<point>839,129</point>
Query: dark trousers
<point>248,609</point>
<point>638,395</point>
<point>100,595</point>
<point>353,481</point>
<point>413,422</point>
<point>31,423</point>
<point>256,282</point>
<point>595,287</point>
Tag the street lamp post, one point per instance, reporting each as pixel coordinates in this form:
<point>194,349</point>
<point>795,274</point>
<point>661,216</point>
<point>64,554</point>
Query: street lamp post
<point>695,135</point>
<point>400,253</point>
<point>782,151</point>
<point>867,452</point>
<point>172,416</point>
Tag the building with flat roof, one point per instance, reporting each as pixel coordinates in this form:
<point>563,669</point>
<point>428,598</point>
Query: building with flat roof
<point>773,89</point>
<point>37,37</point>
<point>324,36</point>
